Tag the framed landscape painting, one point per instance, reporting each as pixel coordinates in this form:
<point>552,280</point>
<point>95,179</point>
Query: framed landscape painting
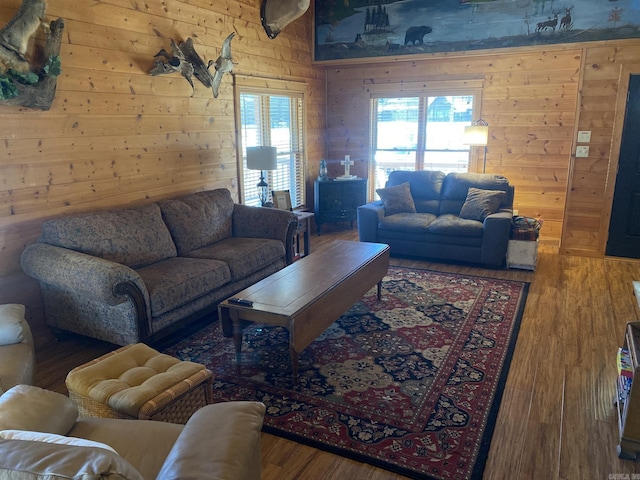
<point>347,29</point>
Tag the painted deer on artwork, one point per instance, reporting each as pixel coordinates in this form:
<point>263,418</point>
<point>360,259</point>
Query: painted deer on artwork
<point>565,22</point>
<point>551,23</point>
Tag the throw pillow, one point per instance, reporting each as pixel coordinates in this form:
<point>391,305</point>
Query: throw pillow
<point>481,203</point>
<point>11,317</point>
<point>26,407</point>
<point>397,199</point>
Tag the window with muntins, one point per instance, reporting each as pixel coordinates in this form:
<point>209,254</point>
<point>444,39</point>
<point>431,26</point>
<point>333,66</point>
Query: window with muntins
<point>420,130</point>
<point>273,119</point>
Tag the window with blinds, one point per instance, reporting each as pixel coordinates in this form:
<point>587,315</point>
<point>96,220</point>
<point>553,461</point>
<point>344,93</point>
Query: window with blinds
<point>277,120</point>
<point>420,127</point>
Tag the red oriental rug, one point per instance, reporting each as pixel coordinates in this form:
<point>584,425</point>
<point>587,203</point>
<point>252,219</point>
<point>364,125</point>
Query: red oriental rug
<point>412,383</point>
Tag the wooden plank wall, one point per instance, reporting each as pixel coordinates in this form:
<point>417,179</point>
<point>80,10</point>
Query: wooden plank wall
<point>116,135</point>
<point>593,178</point>
<point>535,101</point>
<point>529,100</point>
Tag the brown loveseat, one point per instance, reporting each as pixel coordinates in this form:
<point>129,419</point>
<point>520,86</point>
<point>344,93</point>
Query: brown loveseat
<point>137,274</point>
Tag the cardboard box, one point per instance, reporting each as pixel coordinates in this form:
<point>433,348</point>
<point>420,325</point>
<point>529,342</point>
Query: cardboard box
<point>522,254</point>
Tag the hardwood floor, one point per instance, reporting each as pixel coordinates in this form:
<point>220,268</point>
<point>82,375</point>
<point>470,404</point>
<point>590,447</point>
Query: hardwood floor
<point>556,420</point>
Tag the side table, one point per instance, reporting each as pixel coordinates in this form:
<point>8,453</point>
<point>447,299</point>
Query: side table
<point>304,227</point>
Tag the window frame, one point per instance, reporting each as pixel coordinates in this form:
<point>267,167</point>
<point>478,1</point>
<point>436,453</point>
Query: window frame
<point>294,90</point>
<point>429,88</point>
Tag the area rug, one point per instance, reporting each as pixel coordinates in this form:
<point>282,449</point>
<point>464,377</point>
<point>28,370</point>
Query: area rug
<point>411,383</point>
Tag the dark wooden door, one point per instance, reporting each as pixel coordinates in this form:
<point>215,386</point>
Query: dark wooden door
<point>624,229</point>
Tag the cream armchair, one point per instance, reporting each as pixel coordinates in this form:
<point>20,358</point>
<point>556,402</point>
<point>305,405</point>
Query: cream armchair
<point>41,435</point>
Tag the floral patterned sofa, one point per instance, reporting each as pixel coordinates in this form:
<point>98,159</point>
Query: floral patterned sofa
<point>137,274</point>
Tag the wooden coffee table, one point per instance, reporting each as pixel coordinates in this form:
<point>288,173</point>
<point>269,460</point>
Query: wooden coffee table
<point>309,295</point>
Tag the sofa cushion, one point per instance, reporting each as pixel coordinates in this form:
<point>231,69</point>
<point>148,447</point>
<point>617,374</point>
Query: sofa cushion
<point>407,222</point>
<point>27,460</point>
<point>200,219</point>
<point>455,226</point>
<point>147,461</point>
<point>426,186</point>
<point>481,203</point>
<point>243,255</point>
<point>456,186</point>
<point>177,281</point>
<point>397,199</point>
<point>134,237</point>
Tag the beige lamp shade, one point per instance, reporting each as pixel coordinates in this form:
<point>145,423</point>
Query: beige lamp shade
<point>476,135</point>
<point>262,158</point>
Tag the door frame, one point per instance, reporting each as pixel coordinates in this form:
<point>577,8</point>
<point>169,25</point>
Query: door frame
<point>626,70</point>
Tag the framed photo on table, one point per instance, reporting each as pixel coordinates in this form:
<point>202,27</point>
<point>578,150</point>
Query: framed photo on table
<point>281,199</point>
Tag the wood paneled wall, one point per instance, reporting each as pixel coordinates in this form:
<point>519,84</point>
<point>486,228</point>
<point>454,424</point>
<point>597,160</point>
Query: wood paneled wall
<point>535,101</point>
<point>602,112</point>
<point>116,135</point>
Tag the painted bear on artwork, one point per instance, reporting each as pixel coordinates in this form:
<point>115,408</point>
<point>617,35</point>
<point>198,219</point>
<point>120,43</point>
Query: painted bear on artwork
<point>415,35</point>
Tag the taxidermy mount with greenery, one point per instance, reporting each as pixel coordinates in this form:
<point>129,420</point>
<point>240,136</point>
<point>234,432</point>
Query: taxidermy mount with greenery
<point>24,81</point>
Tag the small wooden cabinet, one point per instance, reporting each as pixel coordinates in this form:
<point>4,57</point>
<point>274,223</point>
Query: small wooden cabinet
<point>628,399</point>
<point>338,200</point>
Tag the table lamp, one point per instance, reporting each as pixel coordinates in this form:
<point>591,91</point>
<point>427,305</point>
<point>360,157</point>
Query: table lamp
<point>477,135</point>
<point>262,158</point>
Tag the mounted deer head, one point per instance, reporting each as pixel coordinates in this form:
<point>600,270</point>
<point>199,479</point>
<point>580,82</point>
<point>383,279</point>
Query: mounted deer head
<point>277,14</point>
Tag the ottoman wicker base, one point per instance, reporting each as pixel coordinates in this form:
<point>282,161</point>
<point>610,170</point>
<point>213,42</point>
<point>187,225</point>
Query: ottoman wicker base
<point>137,382</point>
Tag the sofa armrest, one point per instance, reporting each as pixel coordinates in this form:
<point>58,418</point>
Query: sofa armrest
<point>495,237</point>
<point>221,440</point>
<point>103,280</point>
<point>262,222</point>
<point>17,361</point>
<point>369,216</point>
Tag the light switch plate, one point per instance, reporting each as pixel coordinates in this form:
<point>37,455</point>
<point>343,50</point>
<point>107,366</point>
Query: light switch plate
<point>584,136</point>
<point>582,151</point>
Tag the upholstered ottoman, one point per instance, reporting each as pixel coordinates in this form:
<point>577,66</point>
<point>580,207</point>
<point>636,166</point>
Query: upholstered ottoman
<point>137,382</point>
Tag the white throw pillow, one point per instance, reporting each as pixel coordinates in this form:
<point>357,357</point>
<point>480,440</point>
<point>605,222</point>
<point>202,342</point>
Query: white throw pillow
<point>11,318</point>
<point>51,438</point>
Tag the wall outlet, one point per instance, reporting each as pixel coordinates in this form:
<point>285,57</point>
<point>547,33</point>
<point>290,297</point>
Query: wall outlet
<point>584,136</point>
<point>582,151</point>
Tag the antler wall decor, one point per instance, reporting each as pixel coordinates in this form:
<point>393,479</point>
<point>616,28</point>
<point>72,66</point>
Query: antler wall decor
<point>22,83</point>
<point>185,60</point>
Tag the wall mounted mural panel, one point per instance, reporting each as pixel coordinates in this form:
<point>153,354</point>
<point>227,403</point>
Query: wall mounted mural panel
<point>367,28</point>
